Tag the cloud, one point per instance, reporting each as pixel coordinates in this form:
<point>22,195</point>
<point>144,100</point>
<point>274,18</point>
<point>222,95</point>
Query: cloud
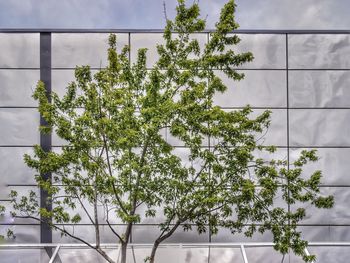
<point>83,13</point>
<point>288,14</point>
<point>251,14</point>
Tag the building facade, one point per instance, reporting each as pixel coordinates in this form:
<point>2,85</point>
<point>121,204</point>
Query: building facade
<point>303,77</point>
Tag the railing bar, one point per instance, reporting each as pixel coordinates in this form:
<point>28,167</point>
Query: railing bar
<point>133,253</point>
<point>54,254</point>
<point>111,245</point>
<point>245,259</point>
<point>187,245</point>
<point>179,258</point>
<point>308,253</point>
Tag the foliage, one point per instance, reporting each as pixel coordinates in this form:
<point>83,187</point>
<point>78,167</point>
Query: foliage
<point>118,164</point>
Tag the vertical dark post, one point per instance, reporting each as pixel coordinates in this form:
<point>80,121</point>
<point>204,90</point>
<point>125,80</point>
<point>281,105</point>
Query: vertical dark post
<point>45,139</point>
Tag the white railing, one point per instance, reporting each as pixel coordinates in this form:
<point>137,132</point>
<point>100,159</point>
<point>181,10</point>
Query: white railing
<point>241,246</point>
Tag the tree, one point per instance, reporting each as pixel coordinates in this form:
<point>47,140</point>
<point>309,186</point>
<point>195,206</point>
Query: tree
<point>117,160</point>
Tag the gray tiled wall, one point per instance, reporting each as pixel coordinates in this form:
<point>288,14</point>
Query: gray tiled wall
<point>315,100</point>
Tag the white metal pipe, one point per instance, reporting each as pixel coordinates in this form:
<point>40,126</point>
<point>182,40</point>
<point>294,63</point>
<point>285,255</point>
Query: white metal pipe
<point>187,245</point>
<point>54,254</point>
<point>245,259</point>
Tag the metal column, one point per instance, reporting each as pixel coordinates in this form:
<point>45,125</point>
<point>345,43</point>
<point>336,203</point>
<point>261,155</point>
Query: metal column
<point>45,139</point>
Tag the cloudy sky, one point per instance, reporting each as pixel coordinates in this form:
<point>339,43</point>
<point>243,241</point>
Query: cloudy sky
<point>139,14</point>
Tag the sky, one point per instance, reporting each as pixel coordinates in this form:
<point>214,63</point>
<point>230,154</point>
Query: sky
<point>148,14</point>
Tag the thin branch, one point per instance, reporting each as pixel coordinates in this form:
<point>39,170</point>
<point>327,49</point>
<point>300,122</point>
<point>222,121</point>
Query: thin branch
<point>114,232</point>
<point>84,208</point>
<point>168,224</point>
<point>168,234</point>
<point>164,11</point>
<point>109,225</point>
<point>59,229</point>
<point>111,175</point>
<point>200,172</point>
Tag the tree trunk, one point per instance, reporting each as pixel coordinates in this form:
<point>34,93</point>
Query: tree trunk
<point>123,254</point>
<point>153,254</point>
<point>160,239</point>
